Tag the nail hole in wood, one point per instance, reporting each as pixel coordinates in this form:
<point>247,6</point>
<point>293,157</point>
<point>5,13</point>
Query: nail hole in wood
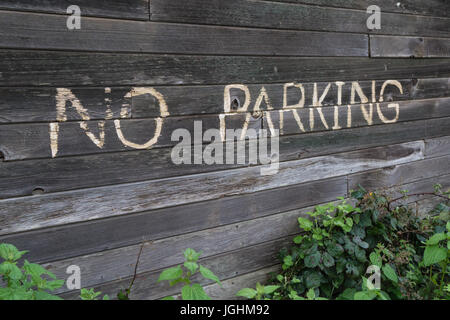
<point>235,104</point>
<point>38,191</point>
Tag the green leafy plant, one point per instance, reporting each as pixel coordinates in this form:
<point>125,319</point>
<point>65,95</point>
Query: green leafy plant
<point>29,282</point>
<point>260,293</point>
<point>339,241</point>
<point>183,274</point>
<point>90,294</point>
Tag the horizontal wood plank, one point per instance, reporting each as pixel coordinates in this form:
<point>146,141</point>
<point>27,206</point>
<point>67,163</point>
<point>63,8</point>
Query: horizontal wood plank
<point>122,9</point>
<point>66,69</point>
<point>40,104</point>
<point>20,214</point>
<point>437,147</point>
<point>273,14</point>
<point>65,241</point>
<point>389,46</point>
<point>42,31</point>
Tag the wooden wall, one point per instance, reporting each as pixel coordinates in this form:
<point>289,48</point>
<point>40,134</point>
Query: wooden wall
<point>74,191</point>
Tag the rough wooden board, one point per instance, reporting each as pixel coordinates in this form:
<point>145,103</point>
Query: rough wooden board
<point>401,174</point>
<point>120,263</point>
<point>416,187</point>
<point>66,69</point>
<point>20,214</point>
<point>437,147</point>
<point>94,236</point>
<point>271,14</point>
<point>21,178</point>
<point>122,9</point>
<point>39,104</point>
<point>439,8</point>
<point>42,31</point>
<point>225,266</point>
<point>392,46</point>
<point>287,122</point>
<point>32,140</point>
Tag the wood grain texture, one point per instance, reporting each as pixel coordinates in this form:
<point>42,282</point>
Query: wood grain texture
<point>21,178</point>
<point>401,174</point>
<point>41,31</point>
<point>119,263</point>
<point>391,46</point>
<point>66,69</point>
<point>122,9</point>
<point>39,104</point>
<point>287,120</point>
<point>65,241</point>
<point>226,266</point>
<point>437,147</point>
<point>439,8</point>
<point>28,141</point>
<point>271,14</point>
<point>20,214</point>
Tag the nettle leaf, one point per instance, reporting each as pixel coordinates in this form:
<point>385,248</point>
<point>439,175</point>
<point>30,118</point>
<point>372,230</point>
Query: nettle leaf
<point>305,224</point>
<point>351,270</point>
<point>434,254</point>
<point>298,239</point>
<point>270,289</point>
<point>10,253</point>
<point>287,262</point>
<point>191,255</point>
<point>347,294</point>
<point>360,243</point>
<point>247,293</point>
<point>365,295</point>
<point>390,273</point>
<point>171,274</point>
<point>360,254</point>
<point>208,274</point>
<point>328,260</point>
<point>191,266</point>
<point>15,294</point>
<point>11,270</point>
<point>42,295</point>
<point>312,279</point>
<point>312,260</point>
<point>194,292</point>
<point>436,238</point>
<point>375,259</point>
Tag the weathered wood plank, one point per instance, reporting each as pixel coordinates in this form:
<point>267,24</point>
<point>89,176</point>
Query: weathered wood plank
<point>401,174</point>
<point>21,178</point>
<point>122,9</point>
<point>391,46</point>
<point>65,241</point>
<point>437,147</point>
<point>41,31</point>
<point>439,8</point>
<point>225,266</point>
<point>66,69</point>
<point>39,104</point>
<point>266,14</point>
<point>304,120</point>
<point>119,263</point>
<point>20,214</point>
<point>41,140</point>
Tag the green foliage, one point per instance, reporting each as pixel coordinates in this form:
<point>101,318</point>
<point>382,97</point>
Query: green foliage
<point>91,295</point>
<point>29,282</point>
<point>339,241</point>
<point>184,273</point>
<point>260,293</point>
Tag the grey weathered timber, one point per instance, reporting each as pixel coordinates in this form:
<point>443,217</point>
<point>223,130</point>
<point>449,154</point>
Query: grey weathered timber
<point>272,14</point>
<point>28,141</point>
<point>287,120</point>
<point>41,31</point>
<point>21,178</point>
<point>225,266</point>
<point>119,263</point>
<point>39,104</point>
<point>437,147</point>
<point>122,9</point>
<point>20,214</point>
<point>401,174</point>
<point>66,69</point>
<point>392,46</point>
<point>65,241</point>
